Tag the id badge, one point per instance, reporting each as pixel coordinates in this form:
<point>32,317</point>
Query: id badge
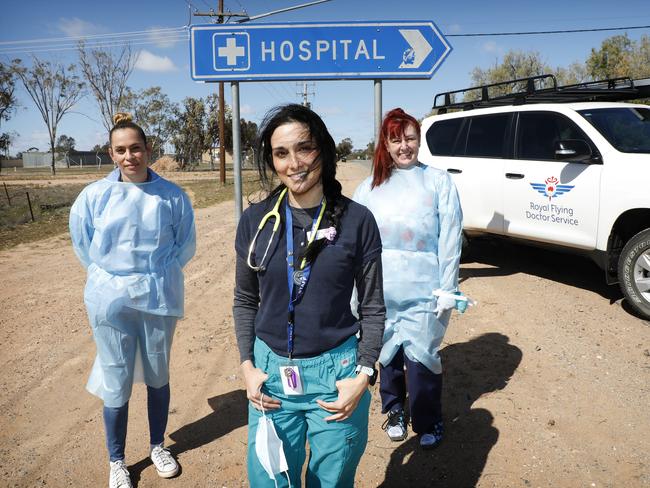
<point>291,382</point>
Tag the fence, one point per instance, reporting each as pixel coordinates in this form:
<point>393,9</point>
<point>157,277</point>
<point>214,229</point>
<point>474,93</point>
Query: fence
<point>36,159</point>
<point>15,195</point>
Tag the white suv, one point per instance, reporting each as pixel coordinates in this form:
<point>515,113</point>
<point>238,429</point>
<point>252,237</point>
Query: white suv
<point>569,174</point>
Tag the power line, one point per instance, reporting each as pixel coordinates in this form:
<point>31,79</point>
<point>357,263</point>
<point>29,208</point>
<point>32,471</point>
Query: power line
<point>267,89</point>
<point>97,36</point>
<point>105,44</point>
<point>531,33</point>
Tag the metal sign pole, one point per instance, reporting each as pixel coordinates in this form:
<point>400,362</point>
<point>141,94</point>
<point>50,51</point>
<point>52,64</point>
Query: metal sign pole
<point>236,148</point>
<point>378,109</point>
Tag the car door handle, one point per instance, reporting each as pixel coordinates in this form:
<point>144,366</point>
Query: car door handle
<point>514,176</point>
<point>454,171</point>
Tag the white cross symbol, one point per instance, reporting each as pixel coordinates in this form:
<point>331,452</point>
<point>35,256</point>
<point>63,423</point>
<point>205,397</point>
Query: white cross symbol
<point>231,51</point>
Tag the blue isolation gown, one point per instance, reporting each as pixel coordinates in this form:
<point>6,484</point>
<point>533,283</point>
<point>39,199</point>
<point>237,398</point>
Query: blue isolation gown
<point>133,239</point>
<point>420,221</point>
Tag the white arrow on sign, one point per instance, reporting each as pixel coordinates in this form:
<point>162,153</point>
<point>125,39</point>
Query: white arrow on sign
<point>420,48</point>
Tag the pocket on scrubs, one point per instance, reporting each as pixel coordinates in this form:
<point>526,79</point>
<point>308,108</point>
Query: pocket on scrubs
<point>349,458</point>
<point>342,366</point>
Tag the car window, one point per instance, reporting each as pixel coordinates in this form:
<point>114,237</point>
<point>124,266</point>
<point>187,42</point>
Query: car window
<point>441,136</point>
<point>487,135</point>
<point>538,133</point>
<point>627,129</point>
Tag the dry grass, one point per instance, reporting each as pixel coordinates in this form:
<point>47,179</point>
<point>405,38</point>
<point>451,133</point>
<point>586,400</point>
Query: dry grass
<point>51,202</point>
<point>50,207</point>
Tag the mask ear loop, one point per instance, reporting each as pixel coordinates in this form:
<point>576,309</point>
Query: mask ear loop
<point>262,401</point>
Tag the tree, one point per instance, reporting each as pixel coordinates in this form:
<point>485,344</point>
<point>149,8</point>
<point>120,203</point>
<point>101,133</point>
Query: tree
<point>54,90</point>
<point>344,148</point>
<point>97,148</point>
<point>612,60</point>
<point>8,101</point>
<point>154,112</point>
<point>189,131</point>
<point>212,125</point>
<point>107,73</point>
<point>515,65</point>
<point>641,62</point>
<point>247,132</point>
<point>5,143</point>
<point>370,150</point>
<point>620,56</point>
<point>65,144</point>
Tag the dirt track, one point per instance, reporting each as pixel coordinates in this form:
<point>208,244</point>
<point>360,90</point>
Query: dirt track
<point>547,381</point>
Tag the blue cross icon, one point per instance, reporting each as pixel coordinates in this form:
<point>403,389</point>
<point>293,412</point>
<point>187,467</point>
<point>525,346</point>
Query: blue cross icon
<point>231,51</point>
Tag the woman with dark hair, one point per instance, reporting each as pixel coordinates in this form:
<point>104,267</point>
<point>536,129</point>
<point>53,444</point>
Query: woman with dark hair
<point>134,232</point>
<point>305,359</point>
<point>420,221</point>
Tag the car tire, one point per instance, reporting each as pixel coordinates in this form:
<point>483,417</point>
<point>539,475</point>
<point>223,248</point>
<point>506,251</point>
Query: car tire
<point>465,251</point>
<point>633,270</point>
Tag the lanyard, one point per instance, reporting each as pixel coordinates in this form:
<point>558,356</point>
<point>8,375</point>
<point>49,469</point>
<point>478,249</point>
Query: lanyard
<point>297,278</point>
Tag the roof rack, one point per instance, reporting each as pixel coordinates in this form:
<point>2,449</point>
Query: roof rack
<point>544,89</point>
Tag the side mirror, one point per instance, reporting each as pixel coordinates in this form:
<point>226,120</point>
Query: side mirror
<point>572,150</point>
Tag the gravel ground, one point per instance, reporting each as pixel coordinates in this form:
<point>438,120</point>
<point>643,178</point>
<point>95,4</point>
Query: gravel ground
<point>546,381</point>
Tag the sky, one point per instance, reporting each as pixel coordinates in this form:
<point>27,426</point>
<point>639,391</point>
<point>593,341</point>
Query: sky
<point>347,107</point>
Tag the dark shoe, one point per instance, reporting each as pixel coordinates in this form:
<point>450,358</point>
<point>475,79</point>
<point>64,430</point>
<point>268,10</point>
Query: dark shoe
<point>432,440</point>
<point>395,425</point>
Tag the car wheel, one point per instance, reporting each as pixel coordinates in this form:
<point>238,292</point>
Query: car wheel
<point>634,272</point>
<point>465,253</point>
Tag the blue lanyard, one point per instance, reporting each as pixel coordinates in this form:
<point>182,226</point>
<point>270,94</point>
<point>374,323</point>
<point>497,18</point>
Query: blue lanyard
<point>296,278</point>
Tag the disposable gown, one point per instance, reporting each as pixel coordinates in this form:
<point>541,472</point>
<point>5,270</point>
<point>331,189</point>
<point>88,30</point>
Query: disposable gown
<point>133,239</point>
<point>420,221</point>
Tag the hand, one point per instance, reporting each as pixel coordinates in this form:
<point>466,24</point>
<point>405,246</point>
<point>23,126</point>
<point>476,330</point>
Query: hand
<point>254,378</point>
<point>350,392</point>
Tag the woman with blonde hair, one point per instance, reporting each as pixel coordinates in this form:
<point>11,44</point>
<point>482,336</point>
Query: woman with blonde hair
<point>133,231</point>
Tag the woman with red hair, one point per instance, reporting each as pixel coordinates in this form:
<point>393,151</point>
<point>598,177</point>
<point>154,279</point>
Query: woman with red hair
<point>420,222</point>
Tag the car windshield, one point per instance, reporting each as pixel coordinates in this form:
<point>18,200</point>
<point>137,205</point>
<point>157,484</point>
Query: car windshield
<point>627,129</point>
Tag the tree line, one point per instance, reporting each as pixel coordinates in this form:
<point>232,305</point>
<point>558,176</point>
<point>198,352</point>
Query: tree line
<point>191,126</point>
<point>618,57</point>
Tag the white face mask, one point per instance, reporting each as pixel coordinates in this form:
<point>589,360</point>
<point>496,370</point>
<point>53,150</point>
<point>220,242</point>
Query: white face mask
<point>268,448</point>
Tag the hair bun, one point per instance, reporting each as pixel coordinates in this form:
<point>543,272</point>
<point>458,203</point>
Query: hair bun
<point>122,117</point>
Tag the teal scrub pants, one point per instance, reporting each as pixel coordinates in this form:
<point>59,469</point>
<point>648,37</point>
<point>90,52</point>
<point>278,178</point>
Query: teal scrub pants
<point>335,448</point>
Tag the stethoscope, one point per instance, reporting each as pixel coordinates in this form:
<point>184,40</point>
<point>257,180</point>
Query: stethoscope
<point>275,214</point>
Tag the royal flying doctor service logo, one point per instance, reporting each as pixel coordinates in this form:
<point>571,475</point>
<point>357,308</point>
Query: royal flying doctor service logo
<point>551,189</point>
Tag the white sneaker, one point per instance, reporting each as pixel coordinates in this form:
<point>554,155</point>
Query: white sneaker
<point>164,462</point>
<point>119,477</point>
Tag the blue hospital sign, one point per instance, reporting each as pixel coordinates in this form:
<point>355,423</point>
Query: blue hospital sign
<point>336,50</point>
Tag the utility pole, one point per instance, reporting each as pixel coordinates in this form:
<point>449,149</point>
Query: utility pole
<point>222,120</point>
<point>243,17</point>
<point>304,93</point>
<point>220,14</point>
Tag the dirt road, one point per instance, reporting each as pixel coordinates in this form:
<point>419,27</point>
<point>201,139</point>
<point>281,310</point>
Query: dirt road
<point>547,380</point>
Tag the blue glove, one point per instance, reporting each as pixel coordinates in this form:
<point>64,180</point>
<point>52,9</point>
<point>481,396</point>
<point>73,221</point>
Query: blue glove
<point>461,305</point>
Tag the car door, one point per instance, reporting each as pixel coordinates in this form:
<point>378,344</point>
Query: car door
<point>546,199</point>
<point>472,149</point>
